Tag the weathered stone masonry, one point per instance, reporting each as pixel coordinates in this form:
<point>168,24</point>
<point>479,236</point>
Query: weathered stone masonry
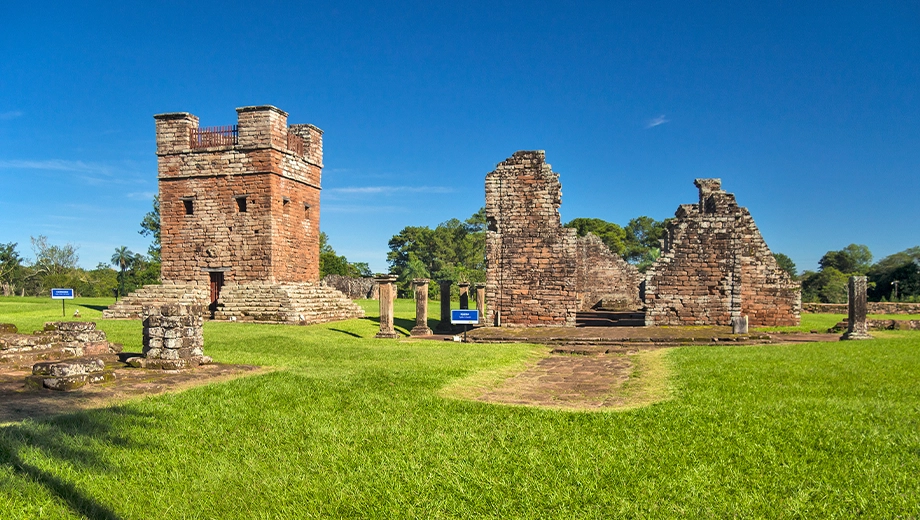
<point>603,277</point>
<point>239,210</point>
<point>715,266</point>
<point>530,279</point>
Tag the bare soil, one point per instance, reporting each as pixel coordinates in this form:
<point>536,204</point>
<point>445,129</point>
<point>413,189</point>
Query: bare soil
<point>567,381</point>
<point>18,402</point>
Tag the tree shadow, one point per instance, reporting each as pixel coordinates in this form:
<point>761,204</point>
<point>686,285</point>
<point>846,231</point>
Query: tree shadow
<point>352,334</point>
<point>69,440</point>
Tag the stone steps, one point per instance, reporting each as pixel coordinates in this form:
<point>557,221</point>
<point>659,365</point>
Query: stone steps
<point>291,303</point>
<point>131,306</point>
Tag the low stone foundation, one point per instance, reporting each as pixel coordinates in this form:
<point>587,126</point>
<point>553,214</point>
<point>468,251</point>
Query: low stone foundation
<point>69,374</point>
<point>880,325</point>
<point>871,308</point>
<point>58,340</point>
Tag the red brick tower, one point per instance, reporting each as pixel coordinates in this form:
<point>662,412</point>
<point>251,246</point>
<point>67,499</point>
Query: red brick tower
<point>239,219</point>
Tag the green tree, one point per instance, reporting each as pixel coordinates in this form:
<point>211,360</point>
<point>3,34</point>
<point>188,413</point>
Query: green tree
<point>786,264</point>
<point>150,227</point>
<point>53,266</point>
<point>854,259</point>
<point>332,263</point>
<point>11,268</point>
<point>643,235</point>
<point>122,259</point>
<point>612,235</point>
<point>828,285</point>
<point>901,270</point>
<point>453,249</point>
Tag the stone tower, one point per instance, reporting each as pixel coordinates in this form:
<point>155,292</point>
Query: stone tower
<point>239,220</point>
<point>243,200</point>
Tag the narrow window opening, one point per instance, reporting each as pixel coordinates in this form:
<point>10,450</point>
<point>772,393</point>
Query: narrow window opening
<point>241,204</point>
<point>189,204</point>
<point>285,200</point>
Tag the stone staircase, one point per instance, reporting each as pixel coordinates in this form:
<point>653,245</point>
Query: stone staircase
<point>300,303</point>
<point>130,306</point>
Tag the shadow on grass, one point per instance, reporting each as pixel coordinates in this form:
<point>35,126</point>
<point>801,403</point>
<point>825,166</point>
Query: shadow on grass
<point>68,440</point>
<point>352,334</point>
<point>403,323</point>
<point>99,308</point>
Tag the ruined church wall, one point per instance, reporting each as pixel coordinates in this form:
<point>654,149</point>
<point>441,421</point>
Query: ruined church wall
<point>531,258</point>
<point>716,266</point>
<point>604,275</point>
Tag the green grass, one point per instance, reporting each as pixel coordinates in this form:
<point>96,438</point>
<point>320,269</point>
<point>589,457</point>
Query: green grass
<point>354,427</point>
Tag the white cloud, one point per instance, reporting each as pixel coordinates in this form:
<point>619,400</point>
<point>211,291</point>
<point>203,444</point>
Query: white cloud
<point>660,120</point>
<point>91,173</point>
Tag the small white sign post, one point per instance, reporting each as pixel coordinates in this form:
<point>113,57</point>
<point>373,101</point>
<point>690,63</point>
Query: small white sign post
<point>62,294</point>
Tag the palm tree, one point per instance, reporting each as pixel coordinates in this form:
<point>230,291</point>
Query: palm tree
<point>123,258</point>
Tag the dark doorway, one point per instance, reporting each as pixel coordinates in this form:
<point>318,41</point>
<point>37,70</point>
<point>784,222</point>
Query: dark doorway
<point>217,281</point>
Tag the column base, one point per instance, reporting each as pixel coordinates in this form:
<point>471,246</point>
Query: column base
<point>387,335</point>
<point>420,331</point>
<point>854,336</point>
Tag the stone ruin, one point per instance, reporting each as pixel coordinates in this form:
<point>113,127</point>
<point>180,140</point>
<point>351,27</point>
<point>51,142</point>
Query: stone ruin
<point>530,257</point>
<point>57,340</point>
<point>603,279</point>
<point>540,273</point>
<point>239,217</point>
<point>354,288</point>
<point>173,338</point>
<point>64,355</point>
<point>716,268</point>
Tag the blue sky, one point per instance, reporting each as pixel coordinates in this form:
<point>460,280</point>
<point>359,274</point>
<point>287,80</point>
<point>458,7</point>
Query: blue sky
<point>809,112</point>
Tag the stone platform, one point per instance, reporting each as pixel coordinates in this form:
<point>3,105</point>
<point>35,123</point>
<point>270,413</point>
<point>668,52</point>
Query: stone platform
<point>294,303</point>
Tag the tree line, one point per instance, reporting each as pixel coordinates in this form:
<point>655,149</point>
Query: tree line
<point>893,278</point>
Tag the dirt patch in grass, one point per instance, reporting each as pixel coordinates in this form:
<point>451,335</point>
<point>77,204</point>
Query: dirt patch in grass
<point>597,381</point>
<point>18,402</point>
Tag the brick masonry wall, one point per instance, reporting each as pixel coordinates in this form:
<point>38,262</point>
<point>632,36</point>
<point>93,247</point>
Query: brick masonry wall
<point>604,275</point>
<point>277,238</point>
<point>530,274</point>
<point>715,266</point>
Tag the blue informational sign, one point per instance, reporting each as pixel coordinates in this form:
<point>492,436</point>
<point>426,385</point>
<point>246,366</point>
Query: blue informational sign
<point>464,317</point>
<point>62,294</point>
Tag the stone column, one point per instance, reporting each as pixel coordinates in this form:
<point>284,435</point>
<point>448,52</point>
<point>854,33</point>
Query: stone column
<point>387,284</point>
<point>420,285</point>
<point>857,327</point>
<point>481,302</point>
<point>464,295</point>
<point>445,325</point>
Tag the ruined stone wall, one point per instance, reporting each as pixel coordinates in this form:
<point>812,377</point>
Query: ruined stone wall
<point>531,260</point>
<point>603,277</point>
<point>274,234</point>
<point>716,266</point>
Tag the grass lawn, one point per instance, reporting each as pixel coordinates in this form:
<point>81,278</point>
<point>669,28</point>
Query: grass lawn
<point>349,426</point>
